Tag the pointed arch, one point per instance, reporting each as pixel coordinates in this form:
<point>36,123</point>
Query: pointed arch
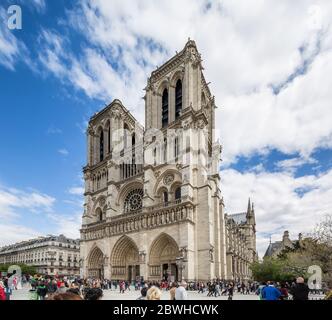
<point>162,258</point>
<point>96,263</point>
<point>125,259</point>
<point>163,249</point>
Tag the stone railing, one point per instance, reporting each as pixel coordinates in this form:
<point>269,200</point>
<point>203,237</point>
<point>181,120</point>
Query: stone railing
<point>147,219</point>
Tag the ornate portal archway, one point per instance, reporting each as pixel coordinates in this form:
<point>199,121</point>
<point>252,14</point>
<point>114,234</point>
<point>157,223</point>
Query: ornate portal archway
<point>162,258</point>
<point>96,264</point>
<point>125,260</point>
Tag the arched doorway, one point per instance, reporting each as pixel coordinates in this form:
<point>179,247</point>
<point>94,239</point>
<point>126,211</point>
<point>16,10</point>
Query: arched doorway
<point>125,260</point>
<point>162,259</point>
<point>96,264</point>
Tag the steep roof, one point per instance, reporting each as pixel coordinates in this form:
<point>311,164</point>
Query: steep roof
<point>238,218</point>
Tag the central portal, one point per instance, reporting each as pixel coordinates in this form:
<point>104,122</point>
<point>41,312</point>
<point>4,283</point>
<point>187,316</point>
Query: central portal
<point>133,273</point>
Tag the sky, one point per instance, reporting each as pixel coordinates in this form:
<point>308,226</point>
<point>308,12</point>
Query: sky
<point>269,64</point>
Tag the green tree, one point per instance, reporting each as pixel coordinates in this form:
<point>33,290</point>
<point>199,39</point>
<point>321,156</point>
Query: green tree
<point>273,270</point>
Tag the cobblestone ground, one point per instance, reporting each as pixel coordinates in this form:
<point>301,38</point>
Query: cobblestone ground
<point>23,294</point>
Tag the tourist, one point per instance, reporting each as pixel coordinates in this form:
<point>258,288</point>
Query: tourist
<point>201,288</point>
<point>300,290</point>
<point>172,291</point>
<point>93,294</point>
<point>217,290</point>
<point>181,292</point>
<point>230,291</point>
<point>143,294</point>
<point>62,288</point>
<point>65,296</point>
<point>52,287</point>
<point>41,291</point>
<point>270,292</point>
<point>284,292</point>
<point>74,289</point>
<point>2,291</point>
<point>122,286</point>
<point>8,290</point>
<point>153,293</point>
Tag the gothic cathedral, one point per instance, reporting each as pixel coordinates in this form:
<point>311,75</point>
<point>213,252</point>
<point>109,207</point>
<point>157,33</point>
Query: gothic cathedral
<point>153,206</point>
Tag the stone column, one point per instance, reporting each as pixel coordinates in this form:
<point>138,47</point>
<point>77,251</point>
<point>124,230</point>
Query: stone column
<point>143,269</point>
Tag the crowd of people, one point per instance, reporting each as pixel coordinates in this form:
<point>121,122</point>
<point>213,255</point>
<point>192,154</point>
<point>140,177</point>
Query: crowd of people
<point>66,288</point>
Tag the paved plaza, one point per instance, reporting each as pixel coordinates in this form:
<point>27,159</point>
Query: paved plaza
<point>23,294</point>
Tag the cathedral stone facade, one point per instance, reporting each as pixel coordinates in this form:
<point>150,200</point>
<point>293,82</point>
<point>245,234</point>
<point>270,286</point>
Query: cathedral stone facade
<point>153,206</point>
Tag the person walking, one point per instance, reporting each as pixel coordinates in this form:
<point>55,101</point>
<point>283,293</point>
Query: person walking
<point>41,291</point>
<point>2,291</point>
<point>217,290</point>
<point>284,292</point>
<point>300,291</point>
<point>143,294</point>
<point>8,291</point>
<point>230,291</point>
<point>153,293</point>
<point>172,291</point>
<point>181,292</point>
<point>270,292</point>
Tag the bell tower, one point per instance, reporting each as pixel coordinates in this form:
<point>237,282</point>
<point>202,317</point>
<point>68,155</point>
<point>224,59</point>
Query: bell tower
<point>180,123</point>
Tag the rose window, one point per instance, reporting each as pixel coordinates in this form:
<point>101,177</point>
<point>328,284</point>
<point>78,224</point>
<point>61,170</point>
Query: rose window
<point>133,201</point>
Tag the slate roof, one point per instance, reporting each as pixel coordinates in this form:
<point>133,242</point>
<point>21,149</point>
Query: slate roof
<point>238,218</point>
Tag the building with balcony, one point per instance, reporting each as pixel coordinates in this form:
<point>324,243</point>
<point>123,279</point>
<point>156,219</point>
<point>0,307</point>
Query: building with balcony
<point>153,207</point>
<point>50,255</point>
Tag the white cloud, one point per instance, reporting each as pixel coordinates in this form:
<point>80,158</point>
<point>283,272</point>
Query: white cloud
<point>78,191</point>
<point>13,202</point>
<point>39,4</point>
<point>247,49</point>
<point>282,201</point>
<point>68,225</point>
<point>12,199</point>
<point>64,152</point>
<point>292,164</point>
<point>11,233</point>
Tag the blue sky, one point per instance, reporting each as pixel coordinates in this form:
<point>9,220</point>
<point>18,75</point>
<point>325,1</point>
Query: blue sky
<point>269,66</point>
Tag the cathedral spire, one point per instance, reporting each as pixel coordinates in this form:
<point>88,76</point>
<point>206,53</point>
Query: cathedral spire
<point>249,209</point>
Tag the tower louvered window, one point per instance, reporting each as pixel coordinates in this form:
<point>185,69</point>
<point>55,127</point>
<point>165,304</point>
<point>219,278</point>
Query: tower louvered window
<point>165,108</point>
<point>178,99</point>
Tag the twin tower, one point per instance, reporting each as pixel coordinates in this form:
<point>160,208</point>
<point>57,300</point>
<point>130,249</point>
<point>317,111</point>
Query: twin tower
<point>153,206</point>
